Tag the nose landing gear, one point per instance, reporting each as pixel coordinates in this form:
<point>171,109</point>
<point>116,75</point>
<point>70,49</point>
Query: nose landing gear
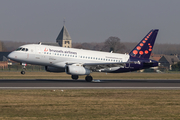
<point>22,72</point>
<point>23,68</point>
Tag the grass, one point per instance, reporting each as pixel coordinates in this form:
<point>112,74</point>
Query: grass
<point>129,75</point>
<point>89,104</point>
<point>101,104</point>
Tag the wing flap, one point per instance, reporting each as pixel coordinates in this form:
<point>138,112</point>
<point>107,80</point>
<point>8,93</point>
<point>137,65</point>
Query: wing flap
<point>99,66</point>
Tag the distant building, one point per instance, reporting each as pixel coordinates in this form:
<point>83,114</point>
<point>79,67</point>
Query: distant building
<point>156,57</point>
<point>168,60</point>
<point>3,60</point>
<point>3,56</point>
<point>165,61</point>
<point>64,39</point>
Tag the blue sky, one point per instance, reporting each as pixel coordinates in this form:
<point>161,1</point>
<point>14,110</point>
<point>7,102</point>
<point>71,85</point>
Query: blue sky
<point>89,20</point>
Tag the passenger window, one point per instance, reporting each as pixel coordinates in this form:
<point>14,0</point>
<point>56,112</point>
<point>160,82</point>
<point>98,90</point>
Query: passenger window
<point>26,49</point>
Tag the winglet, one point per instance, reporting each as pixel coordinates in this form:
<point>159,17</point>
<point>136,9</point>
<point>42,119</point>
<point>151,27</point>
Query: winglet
<point>145,46</point>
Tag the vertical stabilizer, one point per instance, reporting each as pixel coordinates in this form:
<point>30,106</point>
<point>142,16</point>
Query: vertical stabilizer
<point>145,46</point>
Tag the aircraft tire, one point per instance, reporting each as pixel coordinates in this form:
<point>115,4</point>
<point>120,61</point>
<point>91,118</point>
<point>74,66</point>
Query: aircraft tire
<point>74,77</point>
<point>88,78</point>
<point>22,72</point>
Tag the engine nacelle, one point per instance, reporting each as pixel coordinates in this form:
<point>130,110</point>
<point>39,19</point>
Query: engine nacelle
<point>54,69</point>
<point>77,70</point>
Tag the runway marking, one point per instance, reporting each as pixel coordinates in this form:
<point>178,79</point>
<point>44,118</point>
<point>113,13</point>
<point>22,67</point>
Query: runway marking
<point>89,87</point>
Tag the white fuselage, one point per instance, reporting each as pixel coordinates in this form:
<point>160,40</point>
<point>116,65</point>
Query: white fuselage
<point>47,55</point>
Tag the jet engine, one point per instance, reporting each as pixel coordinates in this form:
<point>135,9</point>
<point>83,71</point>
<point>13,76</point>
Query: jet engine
<point>77,70</point>
<point>54,69</point>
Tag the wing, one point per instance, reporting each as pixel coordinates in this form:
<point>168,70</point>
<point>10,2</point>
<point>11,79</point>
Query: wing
<point>105,66</point>
<point>100,67</point>
<point>96,67</point>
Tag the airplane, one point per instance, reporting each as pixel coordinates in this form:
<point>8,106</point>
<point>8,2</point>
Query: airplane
<point>76,62</point>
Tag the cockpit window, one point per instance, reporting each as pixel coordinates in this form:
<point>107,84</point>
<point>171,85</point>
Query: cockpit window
<point>23,49</point>
<point>19,49</point>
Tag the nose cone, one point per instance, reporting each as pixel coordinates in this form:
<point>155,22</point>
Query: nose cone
<point>11,55</point>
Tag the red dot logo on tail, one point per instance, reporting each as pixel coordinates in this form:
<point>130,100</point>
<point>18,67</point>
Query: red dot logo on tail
<point>135,52</point>
<point>146,52</point>
<point>141,52</point>
<point>141,44</point>
<point>138,47</point>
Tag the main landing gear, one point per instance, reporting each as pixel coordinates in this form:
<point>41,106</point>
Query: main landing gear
<point>74,77</point>
<point>88,78</point>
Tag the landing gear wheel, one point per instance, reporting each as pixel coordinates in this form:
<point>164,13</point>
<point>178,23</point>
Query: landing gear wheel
<point>23,68</point>
<point>22,72</point>
<point>88,78</point>
<point>74,77</point>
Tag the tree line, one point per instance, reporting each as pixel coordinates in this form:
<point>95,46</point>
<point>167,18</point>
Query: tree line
<point>113,44</point>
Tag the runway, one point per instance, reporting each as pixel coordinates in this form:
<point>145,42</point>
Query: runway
<point>82,84</point>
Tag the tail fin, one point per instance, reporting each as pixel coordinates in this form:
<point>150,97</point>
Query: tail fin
<point>144,48</point>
